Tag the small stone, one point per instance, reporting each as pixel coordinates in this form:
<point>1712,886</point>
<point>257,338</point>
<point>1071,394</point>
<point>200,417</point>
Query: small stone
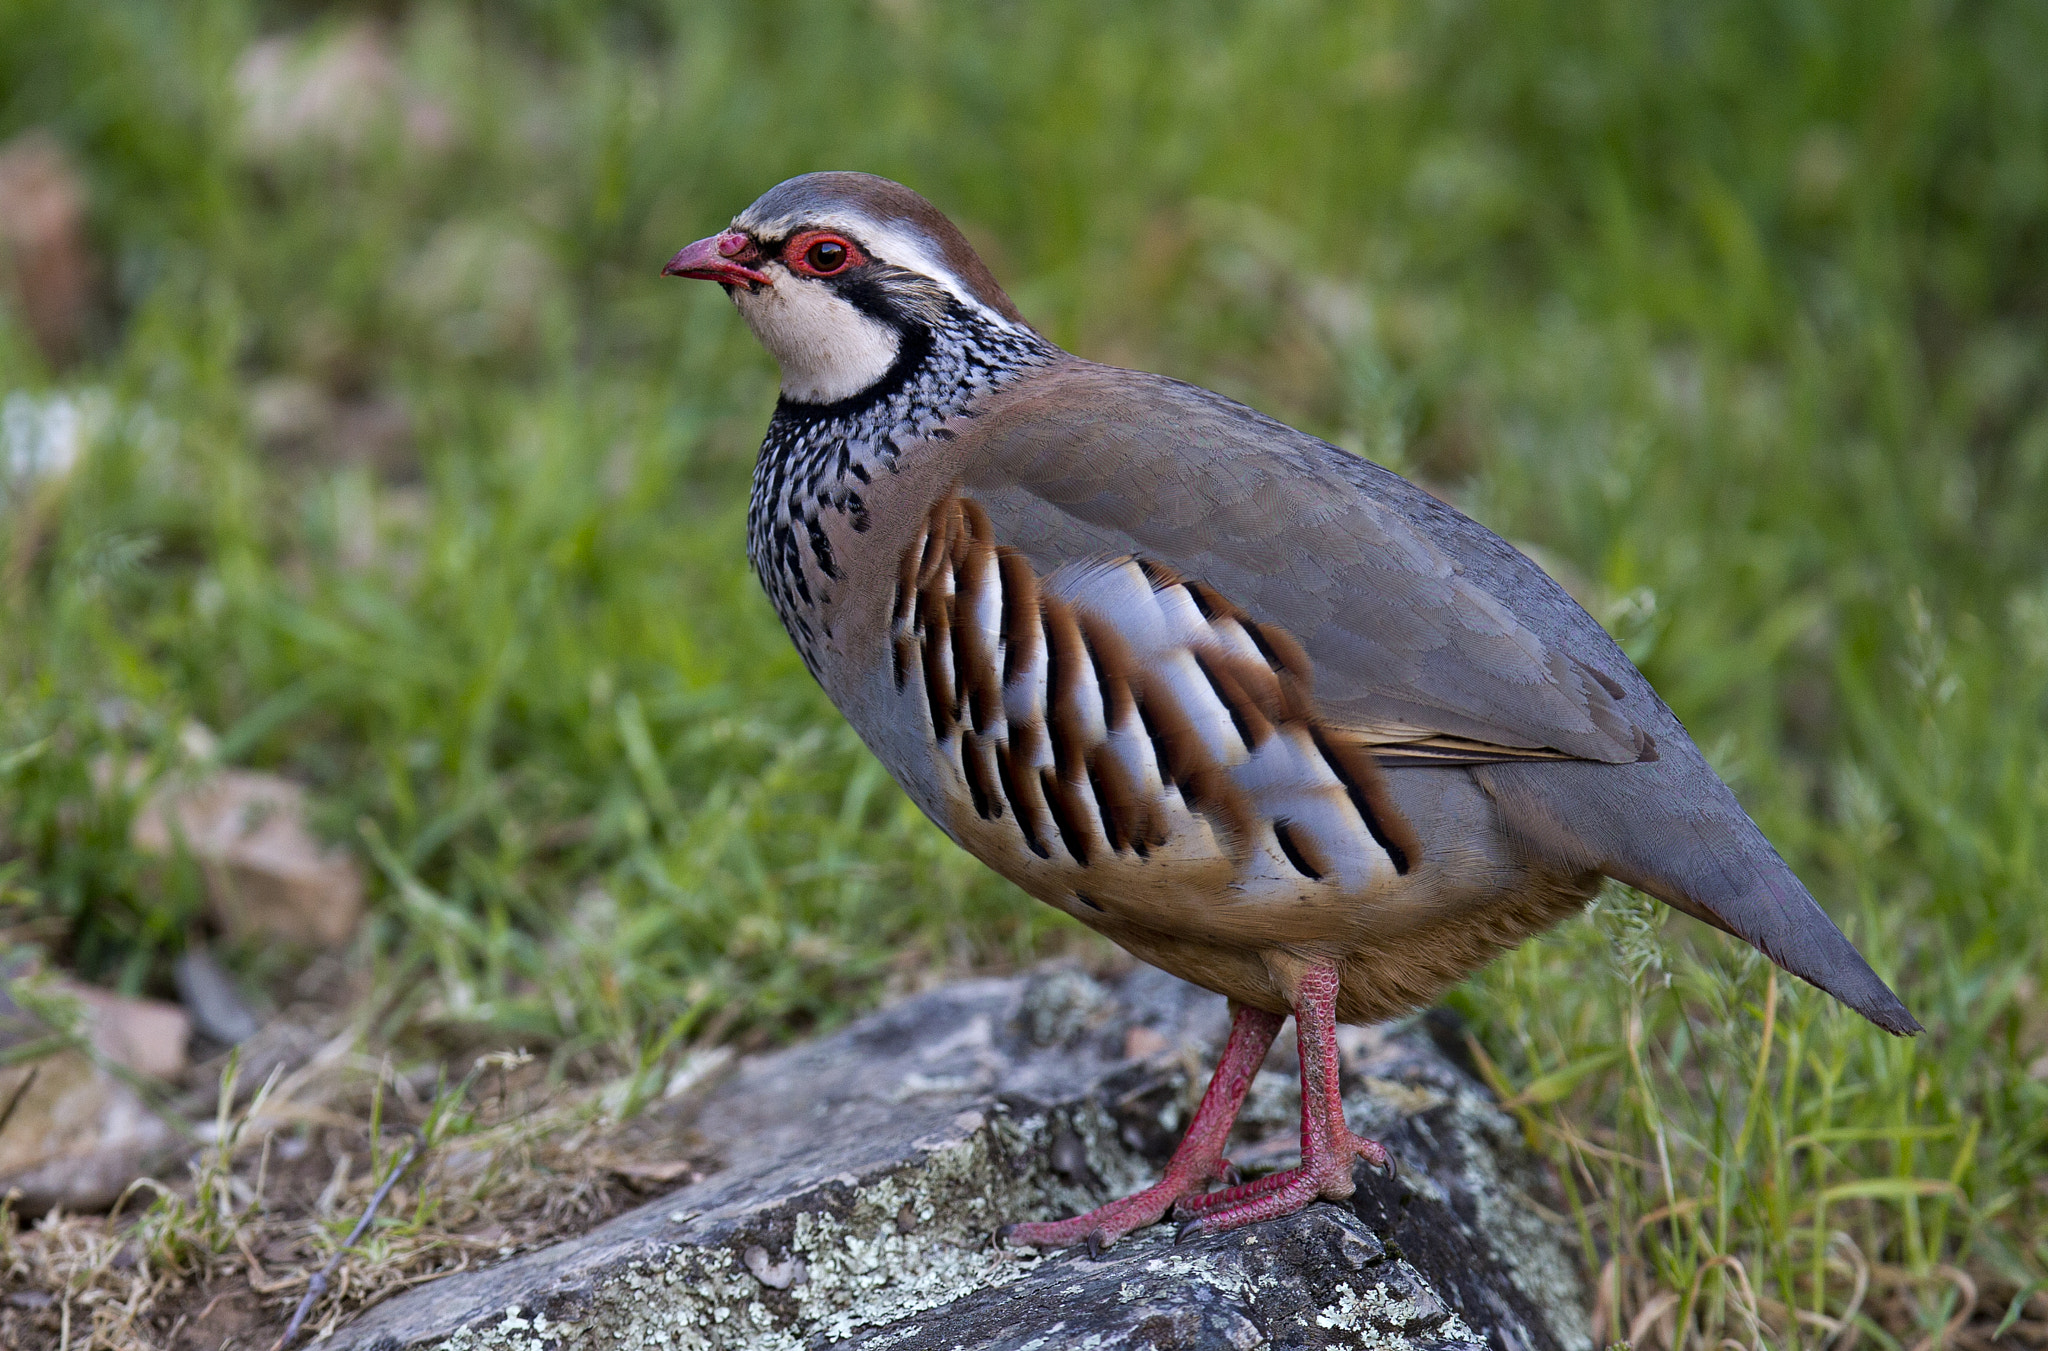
<point>210,996</point>
<point>657,1171</point>
<point>267,876</point>
<point>1061,1004</point>
<point>298,95</point>
<point>775,1275</point>
<point>1069,1155</point>
<point>1360,1250</point>
<point>147,1036</point>
<point>1143,1043</point>
<point>77,1135</point>
<point>43,242</point>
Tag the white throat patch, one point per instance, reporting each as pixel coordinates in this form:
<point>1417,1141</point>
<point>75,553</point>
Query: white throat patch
<point>828,350</point>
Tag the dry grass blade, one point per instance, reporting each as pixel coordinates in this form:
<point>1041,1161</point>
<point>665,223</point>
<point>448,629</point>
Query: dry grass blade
<point>1850,1331</point>
<point>1657,1311</point>
<point>1747,1305</point>
<point>20,1091</point>
<point>1966,1290</point>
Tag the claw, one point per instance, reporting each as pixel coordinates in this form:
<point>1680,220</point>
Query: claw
<point>1192,1227</point>
<point>1229,1177</point>
<point>1003,1234</point>
<point>1097,1243</point>
<point>1378,1156</point>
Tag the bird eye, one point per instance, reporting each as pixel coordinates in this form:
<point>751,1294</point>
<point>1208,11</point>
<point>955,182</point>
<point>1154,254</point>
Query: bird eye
<point>826,256</point>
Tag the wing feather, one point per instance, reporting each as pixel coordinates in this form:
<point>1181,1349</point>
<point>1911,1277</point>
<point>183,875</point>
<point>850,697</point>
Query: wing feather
<point>1416,652</point>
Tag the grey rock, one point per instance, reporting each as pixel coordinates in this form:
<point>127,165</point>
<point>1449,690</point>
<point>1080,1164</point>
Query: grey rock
<point>866,1173</point>
<point>208,993</point>
<point>1317,1279</point>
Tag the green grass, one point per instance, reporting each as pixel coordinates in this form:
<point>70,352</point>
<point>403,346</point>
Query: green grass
<point>1735,311</point>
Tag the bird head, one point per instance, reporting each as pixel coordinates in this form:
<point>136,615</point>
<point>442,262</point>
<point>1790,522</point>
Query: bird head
<point>840,275</point>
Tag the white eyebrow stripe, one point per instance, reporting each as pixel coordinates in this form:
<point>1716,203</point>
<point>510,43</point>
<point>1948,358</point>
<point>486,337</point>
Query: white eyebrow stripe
<point>902,247</point>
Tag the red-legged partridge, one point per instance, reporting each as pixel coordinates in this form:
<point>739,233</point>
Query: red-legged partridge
<point>1262,712</point>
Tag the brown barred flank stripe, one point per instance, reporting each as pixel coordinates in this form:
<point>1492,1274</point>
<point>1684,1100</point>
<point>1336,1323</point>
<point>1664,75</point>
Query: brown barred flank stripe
<point>1210,603</point>
<point>1027,805</point>
<point>1287,657</point>
<point>1128,819</point>
<point>933,548</point>
<point>1366,786</point>
<point>1069,817</point>
<point>1066,667</point>
<point>1204,785</point>
<point>1254,724</point>
<point>1297,851</point>
<point>934,622</point>
<point>1022,632</point>
<point>1158,574</point>
<point>1175,744</point>
<point>906,657</point>
<point>984,787</point>
<point>976,667</point>
<point>1116,670</point>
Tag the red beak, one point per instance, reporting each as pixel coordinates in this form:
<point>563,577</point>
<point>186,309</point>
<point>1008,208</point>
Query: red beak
<point>723,258</point>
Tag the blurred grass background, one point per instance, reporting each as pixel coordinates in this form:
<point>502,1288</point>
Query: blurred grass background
<point>391,460</point>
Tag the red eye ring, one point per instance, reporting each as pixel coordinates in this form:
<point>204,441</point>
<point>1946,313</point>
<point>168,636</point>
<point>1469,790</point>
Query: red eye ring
<point>820,253</point>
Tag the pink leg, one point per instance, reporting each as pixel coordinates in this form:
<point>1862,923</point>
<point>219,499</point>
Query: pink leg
<point>1196,1163</point>
<point>1327,1144</point>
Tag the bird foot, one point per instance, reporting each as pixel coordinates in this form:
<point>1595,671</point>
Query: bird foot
<point>1198,1162</point>
<point>1101,1227</point>
<point>1328,1147</point>
<point>1324,1174</point>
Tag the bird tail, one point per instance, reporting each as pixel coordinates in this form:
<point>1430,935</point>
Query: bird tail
<point>1673,829</point>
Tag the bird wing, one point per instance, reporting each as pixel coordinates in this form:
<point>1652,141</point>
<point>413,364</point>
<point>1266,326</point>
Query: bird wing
<point>1415,648</point>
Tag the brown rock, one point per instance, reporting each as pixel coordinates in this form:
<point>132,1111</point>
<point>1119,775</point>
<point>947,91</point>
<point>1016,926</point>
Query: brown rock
<point>147,1036</point>
<point>42,235</point>
<point>78,1135</point>
<point>267,876</point>
<point>74,1134</point>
